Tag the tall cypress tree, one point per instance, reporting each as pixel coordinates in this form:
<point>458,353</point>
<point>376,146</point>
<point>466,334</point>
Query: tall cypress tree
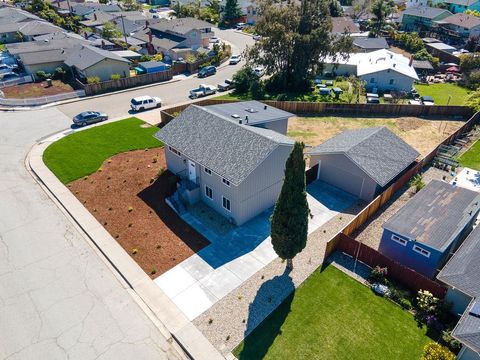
<point>290,217</point>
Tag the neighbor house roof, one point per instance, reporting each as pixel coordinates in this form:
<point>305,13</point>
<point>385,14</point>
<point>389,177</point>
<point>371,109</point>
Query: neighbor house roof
<point>436,214</point>
<point>344,24</point>
<point>85,56</point>
<point>10,15</point>
<point>44,57</point>
<point>162,40</point>
<point>371,43</point>
<point>461,2</point>
<point>37,27</point>
<point>180,25</point>
<point>463,20</point>
<point>422,65</point>
<point>380,153</point>
<point>230,149</point>
<point>36,46</point>
<point>256,111</point>
<point>88,8</point>
<point>426,12</point>
<point>462,272</point>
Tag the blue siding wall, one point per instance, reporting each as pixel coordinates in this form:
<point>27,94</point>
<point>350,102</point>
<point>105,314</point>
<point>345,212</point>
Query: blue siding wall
<point>405,255</point>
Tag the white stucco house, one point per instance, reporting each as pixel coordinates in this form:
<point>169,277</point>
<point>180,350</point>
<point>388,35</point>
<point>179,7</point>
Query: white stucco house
<point>382,70</point>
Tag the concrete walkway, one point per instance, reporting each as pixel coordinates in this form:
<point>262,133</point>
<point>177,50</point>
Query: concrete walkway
<point>58,299</point>
<point>234,255</point>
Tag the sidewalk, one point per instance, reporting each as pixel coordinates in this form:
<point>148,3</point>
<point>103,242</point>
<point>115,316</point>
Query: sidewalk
<point>169,316</point>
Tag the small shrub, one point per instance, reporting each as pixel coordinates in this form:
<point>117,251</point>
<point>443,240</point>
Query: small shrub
<point>100,170</point>
<point>93,80</point>
<point>110,208</point>
<point>405,304</point>
<point>378,274</point>
<point>228,337</point>
<point>130,208</point>
<point>210,321</point>
<point>115,77</point>
<point>161,171</point>
<point>243,321</point>
<point>154,271</point>
<point>435,351</point>
<point>85,178</point>
<point>155,160</point>
<point>417,182</point>
<point>134,251</point>
<point>104,223</point>
<point>450,342</point>
<point>159,246</point>
<point>130,225</point>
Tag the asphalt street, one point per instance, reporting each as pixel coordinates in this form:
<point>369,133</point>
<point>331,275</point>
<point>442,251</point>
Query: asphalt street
<point>118,104</point>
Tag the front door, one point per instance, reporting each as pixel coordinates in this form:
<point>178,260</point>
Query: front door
<point>192,171</point>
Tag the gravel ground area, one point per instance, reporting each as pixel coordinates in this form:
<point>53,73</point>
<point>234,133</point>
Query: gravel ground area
<point>370,233</point>
<point>227,322</point>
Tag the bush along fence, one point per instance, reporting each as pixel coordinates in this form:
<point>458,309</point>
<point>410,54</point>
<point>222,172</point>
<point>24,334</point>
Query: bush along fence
<point>125,83</point>
<point>308,108</point>
<point>370,256</point>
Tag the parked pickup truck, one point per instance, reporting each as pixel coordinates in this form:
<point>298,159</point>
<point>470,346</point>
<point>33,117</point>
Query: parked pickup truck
<point>203,90</point>
<point>226,85</point>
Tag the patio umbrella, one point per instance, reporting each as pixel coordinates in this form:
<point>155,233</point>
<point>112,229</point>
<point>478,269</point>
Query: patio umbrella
<point>453,69</point>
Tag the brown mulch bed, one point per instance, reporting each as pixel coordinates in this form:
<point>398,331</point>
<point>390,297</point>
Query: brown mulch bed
<point>33,90</point>
<point>127,196</point>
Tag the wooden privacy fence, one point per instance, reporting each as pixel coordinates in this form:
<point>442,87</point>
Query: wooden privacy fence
<point>306,108</point>
<point>125,83</point>
<point>396,271</point>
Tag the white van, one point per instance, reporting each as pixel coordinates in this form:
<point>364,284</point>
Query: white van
<point>141,103</point>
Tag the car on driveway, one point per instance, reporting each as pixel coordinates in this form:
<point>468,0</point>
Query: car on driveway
<point>235,59</point>
<point>259,71</point>
<point>427,100</point>
<point>214,40</point>
<point>89,117</point>
<point>207,71</point>
<point>373,100</point>
<point>257,37</point>
<point>203,90</point>
<point>9,75</point>
<point>146,102</point>
<point>226,85</point>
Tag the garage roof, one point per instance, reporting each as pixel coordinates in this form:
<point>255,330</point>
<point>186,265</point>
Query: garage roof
<point>380,153</point>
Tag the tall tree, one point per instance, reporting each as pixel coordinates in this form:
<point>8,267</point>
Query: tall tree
<point>335,8</point>
<point>381,10</point>
<point>296,39</point>
<point>290,217</point>
<point>231,11</point>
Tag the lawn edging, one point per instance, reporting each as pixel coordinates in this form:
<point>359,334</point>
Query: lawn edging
<point>161,310</point>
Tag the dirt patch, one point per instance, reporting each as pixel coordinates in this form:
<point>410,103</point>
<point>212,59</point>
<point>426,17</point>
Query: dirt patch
<point>127,196</point>
<point>424,135</point>
<point>33,90</point>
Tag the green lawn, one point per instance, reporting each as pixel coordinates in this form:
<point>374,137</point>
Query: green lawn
<point>442,92</point>
<point>471,158</point>
<point>331,316</point>
<point>83,152</point>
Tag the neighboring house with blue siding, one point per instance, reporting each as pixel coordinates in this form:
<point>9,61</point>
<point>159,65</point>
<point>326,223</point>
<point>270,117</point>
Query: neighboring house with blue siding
<point>432,224</point>
<point>462,275</point>
<point>231,157</point>
<point>460,6</point>
<point>422,18</point>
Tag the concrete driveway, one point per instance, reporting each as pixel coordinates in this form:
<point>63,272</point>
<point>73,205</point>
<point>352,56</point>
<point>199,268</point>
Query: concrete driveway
<point>235,254</point>
<point>58,299</point>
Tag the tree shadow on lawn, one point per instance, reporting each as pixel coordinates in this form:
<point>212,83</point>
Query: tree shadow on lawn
<point>154,196</point>
<point>261,332</point>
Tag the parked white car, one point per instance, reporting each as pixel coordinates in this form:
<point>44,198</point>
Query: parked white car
<point>259,71</point>
<point>235,59</point>
<point>203,90</point>
<point>214,40</point>
<point>141,103</point>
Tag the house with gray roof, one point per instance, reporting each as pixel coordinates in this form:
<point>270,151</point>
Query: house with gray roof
<point>231,164</point>
<point>460,6</point>
<point>430,226</point>
<point>362,162</point>
<point>367,44</point>
<point>462,275</point>
<point>86,61</point>
<point>422,18</point>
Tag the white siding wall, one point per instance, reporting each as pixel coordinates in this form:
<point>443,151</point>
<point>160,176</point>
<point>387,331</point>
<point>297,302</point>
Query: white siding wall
<point>382,81</point>
<point>106,68</point>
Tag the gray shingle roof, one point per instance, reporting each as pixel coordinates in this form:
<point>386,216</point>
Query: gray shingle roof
<point>85,56</point>
<point>44,57</point>
<point>380,153</point>
<point>425,12</point>
<point>229,149</point>
<point>37,27</point>
<point>463,272</point>
<point>371,43</point>
<point>436,215</point>
<point>159,39</point>
<point>255,111</point>
<point>180,25</point>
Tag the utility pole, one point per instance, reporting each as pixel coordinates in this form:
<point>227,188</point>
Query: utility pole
<point>124,34</point>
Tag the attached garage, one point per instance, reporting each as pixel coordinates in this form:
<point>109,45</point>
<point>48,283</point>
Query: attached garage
<point>362,162</point>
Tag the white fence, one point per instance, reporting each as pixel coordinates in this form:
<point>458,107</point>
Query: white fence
<point>21,80</point>
<point>42,100</point>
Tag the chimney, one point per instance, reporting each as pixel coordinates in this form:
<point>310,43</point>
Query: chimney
<point>410,63</point>
<point>240,121</point>
<point>103,44</point>
<point>85,35</point>
<point>147,24</point>
<point>95,16</point>
<point>265,107</point>
<point>150,37</point>
<point>394,64</point>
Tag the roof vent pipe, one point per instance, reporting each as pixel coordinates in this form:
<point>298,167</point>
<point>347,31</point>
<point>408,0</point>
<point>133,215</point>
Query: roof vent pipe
<point>246,119</point>
<point>265,107</point>
<point>240,121</point>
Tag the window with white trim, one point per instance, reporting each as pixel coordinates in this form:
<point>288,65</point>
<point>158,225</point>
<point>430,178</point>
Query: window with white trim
<point>392,81</point>
<point>226,203</point>
<point>207,170</point>
<point>399,240</point>
<point>208,192</point>
<point>175,151</point>
<point>226,182</point>
<point>422,251</point>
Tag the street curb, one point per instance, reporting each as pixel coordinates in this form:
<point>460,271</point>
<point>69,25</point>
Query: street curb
<point>167,317</point>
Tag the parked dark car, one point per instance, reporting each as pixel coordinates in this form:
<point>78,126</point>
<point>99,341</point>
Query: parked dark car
<point>207,71</point>
<point>89,117</point>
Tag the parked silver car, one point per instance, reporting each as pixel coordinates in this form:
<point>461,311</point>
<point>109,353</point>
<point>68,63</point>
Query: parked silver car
<point>89,117</point>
